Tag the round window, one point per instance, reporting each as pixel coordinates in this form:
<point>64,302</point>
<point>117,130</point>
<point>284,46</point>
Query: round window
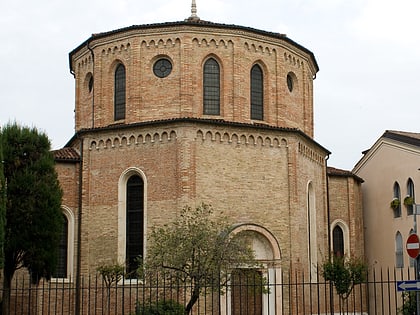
<point>162,68</point>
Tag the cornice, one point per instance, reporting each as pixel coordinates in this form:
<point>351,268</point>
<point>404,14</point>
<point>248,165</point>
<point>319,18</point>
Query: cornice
<point>194,27</point>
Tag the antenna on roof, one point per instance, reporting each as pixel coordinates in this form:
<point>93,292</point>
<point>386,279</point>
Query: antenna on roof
<point>194,16</point>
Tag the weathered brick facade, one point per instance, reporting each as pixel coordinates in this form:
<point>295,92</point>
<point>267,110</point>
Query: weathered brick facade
<point>269,176</point>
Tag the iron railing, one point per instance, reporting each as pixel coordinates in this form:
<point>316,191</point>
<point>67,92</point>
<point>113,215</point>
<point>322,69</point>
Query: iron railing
<point>286,293</point>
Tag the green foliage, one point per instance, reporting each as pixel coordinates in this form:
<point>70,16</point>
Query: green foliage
<point>344,273</point>
<point>33,214</point>
<point>111,273</point>
<point>395,203</point>
<point>197,249</point>
<point>409,304</point>
<point>408,201</point>
<point>166,307</point>
<point>2,206</point>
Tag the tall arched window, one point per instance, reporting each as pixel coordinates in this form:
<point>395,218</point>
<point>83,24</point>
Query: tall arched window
<point>338,241</point>
<point>410,197</point>
<point>61,268</point>
<point>134,222</point>
<point>399,253</point>
<point>257,93</point>
<point>211,87</point>
<point>397,195</point>
<point>119,92</point>
<point>64,268</point>
<point>312,231</point>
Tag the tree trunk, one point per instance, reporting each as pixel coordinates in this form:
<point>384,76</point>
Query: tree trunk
<point>194,298</point>
<point>7,283</point>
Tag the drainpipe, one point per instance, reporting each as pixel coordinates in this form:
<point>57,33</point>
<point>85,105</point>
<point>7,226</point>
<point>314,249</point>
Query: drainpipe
<point>329,232</point>
<point>93,89</point>
<point>79,231</point>
<point>328,207</point>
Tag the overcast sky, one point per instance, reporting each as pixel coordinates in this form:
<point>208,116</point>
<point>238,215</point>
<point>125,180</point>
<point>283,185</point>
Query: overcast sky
<point>368,52</point>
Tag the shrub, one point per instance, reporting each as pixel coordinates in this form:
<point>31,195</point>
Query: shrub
<point>165,307</point>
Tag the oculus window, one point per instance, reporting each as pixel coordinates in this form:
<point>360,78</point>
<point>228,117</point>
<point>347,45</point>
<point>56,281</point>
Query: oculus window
<point>162,68</point>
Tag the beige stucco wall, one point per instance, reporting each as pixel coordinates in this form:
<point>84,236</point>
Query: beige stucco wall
<point>387,162</point>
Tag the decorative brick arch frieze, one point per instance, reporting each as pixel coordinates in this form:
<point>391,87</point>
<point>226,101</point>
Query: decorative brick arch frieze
<point>311,154</point>
<point>161,43</point>
<point>293,60</point>
<point>112,50</point>
<point>212,42</point>
<point>133,140</point>
<point>240,138</point>
<point>259,48</point>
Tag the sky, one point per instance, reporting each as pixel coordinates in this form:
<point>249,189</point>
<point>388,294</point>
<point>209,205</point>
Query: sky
<point>368,52</point>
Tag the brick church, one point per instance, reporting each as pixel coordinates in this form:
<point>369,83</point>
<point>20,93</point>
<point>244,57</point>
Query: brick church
<point>181,113</point>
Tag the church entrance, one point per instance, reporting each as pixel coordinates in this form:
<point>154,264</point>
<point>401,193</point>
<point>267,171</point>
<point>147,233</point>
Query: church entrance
<point>247,292</point>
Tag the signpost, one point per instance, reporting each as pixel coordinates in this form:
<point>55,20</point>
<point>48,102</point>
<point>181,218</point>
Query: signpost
<point>408,285</point>
<point>413,246</point>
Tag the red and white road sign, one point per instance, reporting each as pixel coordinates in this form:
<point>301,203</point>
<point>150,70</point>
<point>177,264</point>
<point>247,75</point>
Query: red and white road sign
<point>413,246</point>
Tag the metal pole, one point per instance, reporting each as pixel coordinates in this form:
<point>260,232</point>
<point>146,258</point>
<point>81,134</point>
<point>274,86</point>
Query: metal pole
<point>417,262</point>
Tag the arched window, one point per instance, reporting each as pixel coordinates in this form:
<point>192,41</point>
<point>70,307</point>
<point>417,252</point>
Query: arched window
<point>257,93</point>
<point>399,253</point>
<point>61,268</point>
<point>409,199</point>
<point>134,222</point>
<point>338,241</point>
<point>211,87</point>
<point>397,195</point>
<point>312,231</point>
<point>64,266</point>
<point>119,92</point>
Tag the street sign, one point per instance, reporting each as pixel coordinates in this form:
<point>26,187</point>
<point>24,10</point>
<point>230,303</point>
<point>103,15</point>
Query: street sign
<point>408,285</point>
<point>413,246</point>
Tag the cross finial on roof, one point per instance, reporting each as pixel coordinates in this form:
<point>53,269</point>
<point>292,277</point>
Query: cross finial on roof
<point>193,16</point>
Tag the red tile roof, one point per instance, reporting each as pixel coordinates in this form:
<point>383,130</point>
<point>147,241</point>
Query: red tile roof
<point>67,154</point>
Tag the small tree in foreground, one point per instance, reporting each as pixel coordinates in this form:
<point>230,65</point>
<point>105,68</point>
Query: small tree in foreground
<point>344,273</point>
<point>197,249</point>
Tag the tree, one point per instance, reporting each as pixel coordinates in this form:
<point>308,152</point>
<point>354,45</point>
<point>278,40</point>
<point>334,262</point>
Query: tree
<point>197,249</point>
<point>2,207</point>
<point>344,273</point>
<point>33,215</point>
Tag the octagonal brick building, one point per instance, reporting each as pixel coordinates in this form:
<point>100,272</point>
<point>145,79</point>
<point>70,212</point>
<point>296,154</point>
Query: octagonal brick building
<point>191,112</point>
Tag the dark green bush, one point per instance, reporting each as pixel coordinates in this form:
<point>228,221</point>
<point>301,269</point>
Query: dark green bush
<point>167,307</point>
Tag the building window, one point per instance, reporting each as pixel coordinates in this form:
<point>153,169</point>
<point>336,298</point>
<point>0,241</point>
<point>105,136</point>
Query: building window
<point>119,92</point>
<point>61,268</point>
<point>257,94</point>
<point>338,241</point>
<point>211,87</point>
<point>162,68</point>
<point>64,266</point>
<point>290,82</point>
<point>397,195</point>
<point>409,199</point>
<point>399,253</point>
<point>134,223</point>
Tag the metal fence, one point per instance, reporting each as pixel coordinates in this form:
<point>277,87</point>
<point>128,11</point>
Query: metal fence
<point>291,293</point>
